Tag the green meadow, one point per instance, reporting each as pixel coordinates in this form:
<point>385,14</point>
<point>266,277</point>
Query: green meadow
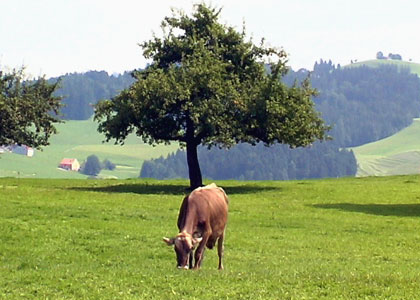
<point>79,139</point>
<point>348,238</point>
<point>395,155</point>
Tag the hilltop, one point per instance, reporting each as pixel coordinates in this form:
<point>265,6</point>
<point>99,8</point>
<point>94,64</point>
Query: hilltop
<point>79,139</point>
<point>374,63</point>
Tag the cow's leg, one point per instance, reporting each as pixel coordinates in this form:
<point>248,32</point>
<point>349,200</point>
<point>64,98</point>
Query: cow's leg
<point>220,250</point>
<point>190,260</point>
<point>200,249</point>
<point>199,254</point>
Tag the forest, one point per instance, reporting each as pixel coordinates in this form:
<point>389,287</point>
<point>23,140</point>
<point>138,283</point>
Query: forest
<point>246,162</point>
<point>361,104</point>
<point>81,90</point>
<point>365,104</point>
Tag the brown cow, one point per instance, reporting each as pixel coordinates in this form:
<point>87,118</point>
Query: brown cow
<point>202,220</point>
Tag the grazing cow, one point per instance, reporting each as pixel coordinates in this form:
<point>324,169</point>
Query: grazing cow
<point>201,221</point>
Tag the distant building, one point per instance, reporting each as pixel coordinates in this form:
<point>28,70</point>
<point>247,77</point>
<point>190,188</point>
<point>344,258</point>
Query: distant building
<point>23,150</point>
<point>70,164</point>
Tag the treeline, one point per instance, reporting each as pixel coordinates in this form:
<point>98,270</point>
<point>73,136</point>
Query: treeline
<point>246,162</point>
<point>92,166</point>
<point>81,90</point>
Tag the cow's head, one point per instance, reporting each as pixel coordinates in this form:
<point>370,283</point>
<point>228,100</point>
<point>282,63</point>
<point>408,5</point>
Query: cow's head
<point>183,243</point>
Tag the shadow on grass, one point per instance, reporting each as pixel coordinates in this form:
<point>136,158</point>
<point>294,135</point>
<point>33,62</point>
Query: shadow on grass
<point>167,189</point>
<point>398,210</point>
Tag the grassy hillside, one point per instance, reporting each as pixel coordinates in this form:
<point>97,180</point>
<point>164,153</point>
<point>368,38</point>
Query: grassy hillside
<point>414,67</point>
<point>79,139</point>
<point>397,154</point>
<point>346,238</point>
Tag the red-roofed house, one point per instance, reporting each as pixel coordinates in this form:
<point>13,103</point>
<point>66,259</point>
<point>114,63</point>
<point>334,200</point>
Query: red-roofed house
<point>70,164</point>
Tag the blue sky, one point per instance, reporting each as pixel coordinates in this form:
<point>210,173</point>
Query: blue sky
<point>55,37</point>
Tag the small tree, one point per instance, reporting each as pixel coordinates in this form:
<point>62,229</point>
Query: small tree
<point>208,85</point>
<point>108,165</point>
<point>28,110</point>
<point>92,166</point>
<point>380,55</point>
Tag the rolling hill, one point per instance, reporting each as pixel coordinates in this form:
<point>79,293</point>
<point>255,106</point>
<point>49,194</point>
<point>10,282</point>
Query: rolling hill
<point>414,67</point>
<point>79,139</point>
<point>395,155</point>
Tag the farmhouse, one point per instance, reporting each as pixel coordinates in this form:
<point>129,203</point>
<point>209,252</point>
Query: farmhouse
<point>23,150</point>
<point>70,164</point>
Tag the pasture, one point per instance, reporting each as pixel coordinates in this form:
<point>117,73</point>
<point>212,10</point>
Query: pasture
<point>79,139</point>
<point>349,238</point>
<point>395,155</point>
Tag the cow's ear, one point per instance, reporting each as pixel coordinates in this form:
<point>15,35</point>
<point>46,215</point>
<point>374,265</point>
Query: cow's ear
<point>169,242</point>
<point>197,240</point>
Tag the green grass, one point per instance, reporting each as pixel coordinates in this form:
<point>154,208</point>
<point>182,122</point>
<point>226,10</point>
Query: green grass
<point>79,139</point>
<point>397,154</point>
<point>349,238</point>
<point>414,67</point>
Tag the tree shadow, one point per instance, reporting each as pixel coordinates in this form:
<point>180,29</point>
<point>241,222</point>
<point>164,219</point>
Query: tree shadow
<point>248,189</point>
<point>143,189</point>
<point>168,189</point>
<point>398,210</point>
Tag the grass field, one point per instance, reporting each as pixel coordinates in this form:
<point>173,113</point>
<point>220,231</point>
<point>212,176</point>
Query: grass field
<point>79,139</point>
<point>395,155</point>
<point>349,238</point>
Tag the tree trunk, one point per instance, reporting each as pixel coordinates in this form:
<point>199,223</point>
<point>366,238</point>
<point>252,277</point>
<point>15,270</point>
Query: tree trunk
<point>192,156</point>
<point>193,166</point>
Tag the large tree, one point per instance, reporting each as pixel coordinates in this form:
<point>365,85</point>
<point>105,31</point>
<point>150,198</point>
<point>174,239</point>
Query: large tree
<point>207,84</point>
<point>28,109</point>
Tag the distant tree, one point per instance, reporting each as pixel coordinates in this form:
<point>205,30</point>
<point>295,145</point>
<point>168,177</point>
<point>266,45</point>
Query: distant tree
<point>394,56</point>
<point>108,165</point>
<point>380,55</point>
<point>92,166</point>
<point>28,109</point>
<point>208,85</point>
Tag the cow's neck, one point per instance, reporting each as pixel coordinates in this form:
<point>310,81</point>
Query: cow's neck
<point>190,223</point>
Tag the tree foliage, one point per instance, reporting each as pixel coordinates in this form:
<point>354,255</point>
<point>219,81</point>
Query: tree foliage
<point>208,85</point>
<point>28,109</point>
<point>92,166</point>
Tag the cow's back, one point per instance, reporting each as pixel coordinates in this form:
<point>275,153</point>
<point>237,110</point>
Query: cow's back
<point>205,206</point>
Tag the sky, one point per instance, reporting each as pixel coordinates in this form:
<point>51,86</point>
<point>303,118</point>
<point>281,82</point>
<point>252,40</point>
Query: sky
<point>55,37</point>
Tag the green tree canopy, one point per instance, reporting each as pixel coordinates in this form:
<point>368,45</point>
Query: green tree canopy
<point>92,166</point>
<point>28,110</point>
<point>207,84</point>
